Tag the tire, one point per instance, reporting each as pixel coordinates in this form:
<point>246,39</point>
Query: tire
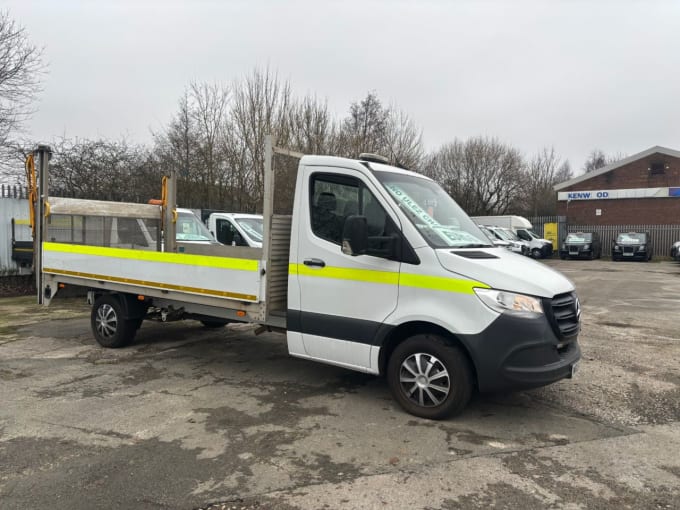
<point>109,326</point>
<point>536,253</point>
<point>444,394</point>
<point>214,323</point>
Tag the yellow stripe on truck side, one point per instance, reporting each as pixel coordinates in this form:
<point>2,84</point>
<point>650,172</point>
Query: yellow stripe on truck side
<point>155,256</point>
<point>157,285</point>
<point>441,283</point>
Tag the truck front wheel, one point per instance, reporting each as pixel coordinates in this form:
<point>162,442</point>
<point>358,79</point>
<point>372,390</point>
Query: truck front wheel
<point>109,326</point>
<point>430,378</point>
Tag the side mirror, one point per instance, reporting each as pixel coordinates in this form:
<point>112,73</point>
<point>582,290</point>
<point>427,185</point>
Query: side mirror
<point>355,236</point>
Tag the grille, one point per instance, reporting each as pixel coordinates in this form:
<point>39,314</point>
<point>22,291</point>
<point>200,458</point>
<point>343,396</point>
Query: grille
<point>628,249</point>
<point>564,315</point>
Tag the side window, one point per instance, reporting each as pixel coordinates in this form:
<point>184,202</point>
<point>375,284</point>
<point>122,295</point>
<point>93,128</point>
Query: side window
<point>224,233</point>
<point>333,198</point>
<point>522,234</point>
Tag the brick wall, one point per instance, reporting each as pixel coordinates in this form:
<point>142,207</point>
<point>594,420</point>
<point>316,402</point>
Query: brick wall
<point>636,211</point>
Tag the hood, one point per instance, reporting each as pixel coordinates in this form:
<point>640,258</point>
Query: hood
<point>509,271</point>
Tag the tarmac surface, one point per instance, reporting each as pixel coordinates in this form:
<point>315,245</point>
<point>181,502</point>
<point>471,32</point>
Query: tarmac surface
<point>191,418</point>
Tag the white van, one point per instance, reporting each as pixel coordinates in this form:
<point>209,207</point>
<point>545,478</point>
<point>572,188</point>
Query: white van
<point>522,227</point>
<point>237,229</point>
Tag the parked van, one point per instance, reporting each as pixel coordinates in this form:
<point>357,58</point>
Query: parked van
<point>515,244</point>
<point>538,247</point>
<point>237,229</point>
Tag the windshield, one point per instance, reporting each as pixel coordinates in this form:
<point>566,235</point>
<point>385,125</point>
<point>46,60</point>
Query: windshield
<point>435,214</point>
<point>631,238</point>
<point>190,228</point>
<point>252,227</point>
<point>511,235</point>
<point>487,232</point>
<point>579,238</point>
<point>532,234</point>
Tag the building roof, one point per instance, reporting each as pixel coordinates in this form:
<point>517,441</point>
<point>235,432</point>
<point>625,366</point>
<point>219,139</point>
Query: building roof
<point>657,149</point>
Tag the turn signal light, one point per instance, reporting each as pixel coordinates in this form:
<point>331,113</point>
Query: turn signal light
<point>240,313</point>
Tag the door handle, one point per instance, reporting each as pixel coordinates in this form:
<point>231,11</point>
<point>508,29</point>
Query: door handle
<point>314,262</point>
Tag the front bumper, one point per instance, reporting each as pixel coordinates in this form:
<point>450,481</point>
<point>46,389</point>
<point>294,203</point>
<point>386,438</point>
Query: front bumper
<point>628,255</point>
<point>576,253</point>
<point>517,353</point>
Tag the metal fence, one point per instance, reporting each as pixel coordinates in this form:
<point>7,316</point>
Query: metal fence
<point>13,191</point>
<point>662,236</point>
<point>13,209</point>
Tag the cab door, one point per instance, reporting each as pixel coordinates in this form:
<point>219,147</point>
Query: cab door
<point>344,299</point>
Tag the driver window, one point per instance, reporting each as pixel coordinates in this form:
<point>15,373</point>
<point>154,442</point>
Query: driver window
<point>336,197</point>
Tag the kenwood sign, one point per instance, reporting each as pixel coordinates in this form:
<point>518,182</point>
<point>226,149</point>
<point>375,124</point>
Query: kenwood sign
<point>609,194</point>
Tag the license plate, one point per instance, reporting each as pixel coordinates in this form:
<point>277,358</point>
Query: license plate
<point>626,254</point>
<point>574,369</point>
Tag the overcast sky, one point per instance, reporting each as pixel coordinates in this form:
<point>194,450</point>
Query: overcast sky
<point>575,75</point>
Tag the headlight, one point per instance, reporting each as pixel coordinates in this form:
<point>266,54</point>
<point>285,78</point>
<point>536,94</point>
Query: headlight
<point>642,248</point>
<point>586,247</point>
<point>617,247</point>
<point>564,246</point>
<point>509,302</point>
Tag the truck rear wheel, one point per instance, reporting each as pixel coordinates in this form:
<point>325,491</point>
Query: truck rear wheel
<point>536,253</point>
<point>109,326</point>
<point>429,378</point>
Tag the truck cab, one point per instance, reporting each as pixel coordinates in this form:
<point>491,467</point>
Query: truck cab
<point>237,229</point>
<point>388,275</point>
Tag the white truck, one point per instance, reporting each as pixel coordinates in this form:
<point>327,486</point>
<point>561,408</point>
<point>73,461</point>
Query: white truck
<point>522,227</point>
<point>363,265</point>
<point>237,229</point>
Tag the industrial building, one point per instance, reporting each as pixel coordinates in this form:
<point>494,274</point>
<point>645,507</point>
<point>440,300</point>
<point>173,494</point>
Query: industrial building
<point>643,189</point>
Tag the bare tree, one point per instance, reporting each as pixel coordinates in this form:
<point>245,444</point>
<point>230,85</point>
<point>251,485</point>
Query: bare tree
<point>364,129</point>
<point>311,126</point>
<point>597,159</point>
<point>483,175</point>
<point>403,140</point>
<point>371,127</point>
<point>543,171</point>
<point>103,170</point>
<point>21,70</point>
<point>260,107</point>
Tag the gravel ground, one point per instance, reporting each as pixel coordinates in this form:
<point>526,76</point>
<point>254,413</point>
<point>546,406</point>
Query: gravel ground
<point>190,418</point>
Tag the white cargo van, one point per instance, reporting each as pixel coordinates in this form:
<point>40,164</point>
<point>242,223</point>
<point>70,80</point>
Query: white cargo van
<point>237,229</point>
<point>363,265</point>
<point>523,229</point>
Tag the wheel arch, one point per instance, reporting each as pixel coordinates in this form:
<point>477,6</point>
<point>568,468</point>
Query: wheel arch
<point>132,308</point>
<point>398,334</point>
